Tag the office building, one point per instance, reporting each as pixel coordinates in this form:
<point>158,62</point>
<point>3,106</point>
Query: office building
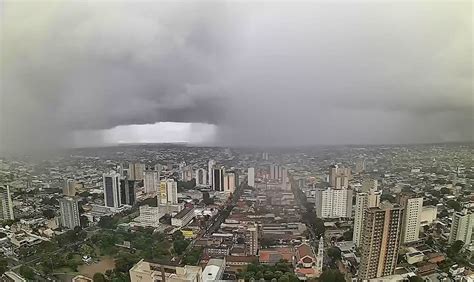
<point>151,181</point>
<point>210,168</point>
<point>69,188</point>
<point>461,228</point>
<point>251,177</point>
<point>413,206</point>
<point>168,192</point>
<point>218,179</point>
<point>201,177</point>
<point>381,241</point>
<point>363,202</point>
<point>252,239</point>
<point>230,182</point>
<point>6,204</point>
<point>111,184</point>
<point>127,192</point>
<point>333,203</point>
<point>339,176</point>
<point>69,209</point>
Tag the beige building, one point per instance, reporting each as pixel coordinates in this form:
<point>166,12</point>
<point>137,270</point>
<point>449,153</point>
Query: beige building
<point>339,176</point>
<point>411,217</point>
<point>69,188</point>
<point>363,202</point>
<point>461,228</point>
<point>428,215</point>
<point>381,237</point>
<point>150,272</point>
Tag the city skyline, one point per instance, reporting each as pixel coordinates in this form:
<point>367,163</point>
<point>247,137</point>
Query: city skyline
<point>220,74</point>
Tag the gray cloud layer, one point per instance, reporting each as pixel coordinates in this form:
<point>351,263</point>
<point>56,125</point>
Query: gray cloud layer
<point>269,73</point>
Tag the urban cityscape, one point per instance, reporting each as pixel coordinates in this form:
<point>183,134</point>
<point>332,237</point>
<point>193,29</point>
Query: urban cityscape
<point>236,140</point>
<point>169,212</point>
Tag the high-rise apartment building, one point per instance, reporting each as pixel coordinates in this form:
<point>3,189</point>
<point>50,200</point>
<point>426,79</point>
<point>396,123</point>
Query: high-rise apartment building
<point>111,184</point>
<point>275,172</point>
<point>127,192</point>
<point>363,202</point>
<point>413,206</point>
<point>210,171</point>
<point>168,192</point>
<point>333,203</point>
<point>381,236</point>
<point>187,173</point>
<point>339,176</point>
<point>6,203</point>
<point>461,228</point>
<point>151,181</point>
<point>252,239</point>
<point>218,179</point>
<point>69,209</point>
<point>251,177</point>
<point>230,181</point>
<point>201,177</point>
<point>69,188</point>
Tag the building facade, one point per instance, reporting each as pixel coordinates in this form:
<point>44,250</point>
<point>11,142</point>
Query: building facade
<point>333,203</point>
<point>381,237</point>
<point>111,184</point>
<point>151,181</point>
<point>411,217</point>
<point>218,175</point>
<point>363,202</point>
<point>69,209</point>
<point>6,203</point>
<point>69,188</point>
<point>251,177</point>
<point>461,228</point>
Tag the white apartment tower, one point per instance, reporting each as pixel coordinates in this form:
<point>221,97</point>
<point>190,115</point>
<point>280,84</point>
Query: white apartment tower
<point>251,177</point>
<point>69,188</point>
<point>411,217</point>
<point>210,167</point>
<point>6,204</point>
<point>69,209</point>
<point>168,192</point>
<point>363,201</point>
<point>111,184</point>
<point>151,181</point>
<point>333,203</point>
<point>201,177</point>
<point>461,228</point>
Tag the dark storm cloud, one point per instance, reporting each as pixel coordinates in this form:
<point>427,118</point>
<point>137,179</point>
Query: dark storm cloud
<point>270,73</point>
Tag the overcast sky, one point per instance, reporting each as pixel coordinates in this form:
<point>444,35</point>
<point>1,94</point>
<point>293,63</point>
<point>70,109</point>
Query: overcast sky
<point>258,73</point>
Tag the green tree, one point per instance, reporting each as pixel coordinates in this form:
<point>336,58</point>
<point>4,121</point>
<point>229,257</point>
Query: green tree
<point>3,266</point>
<point>454,249</point>
<point>348,235</point>
<point>332,275</point>
<point>415,279</point>
<point>49,213</point>
<point>27,272</point>
<point>180,246</point>
<point>99,277</point>
<point>334,253</point>
<point>454,205</point>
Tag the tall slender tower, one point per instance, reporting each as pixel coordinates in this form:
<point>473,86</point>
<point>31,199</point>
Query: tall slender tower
<point>112,189</point>
<point>319,262</point>
<point>461,228</point>
<point>69,209</point>
<point>6,204</point>
<point>381,237</point>
<point>411,217</point>
<point>363,201</point>
<point>69,188</point>
<point>210,168</point>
